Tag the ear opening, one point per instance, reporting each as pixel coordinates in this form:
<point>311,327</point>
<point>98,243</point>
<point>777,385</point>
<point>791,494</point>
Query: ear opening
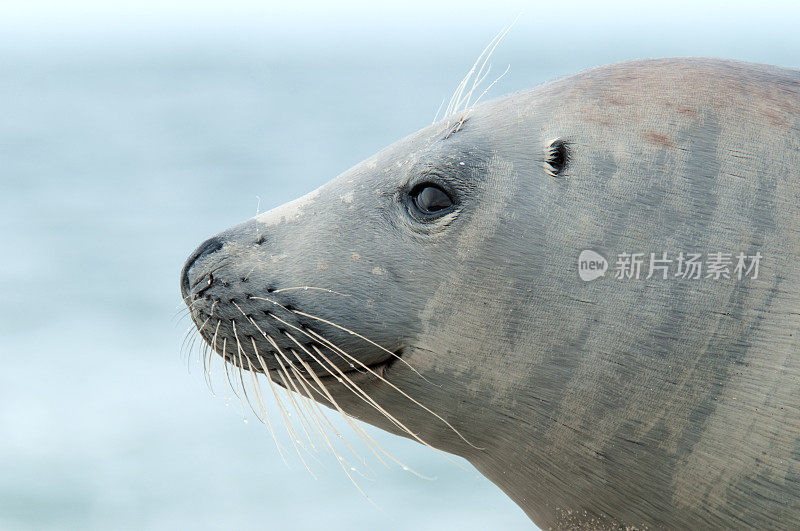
<point>556,157</point>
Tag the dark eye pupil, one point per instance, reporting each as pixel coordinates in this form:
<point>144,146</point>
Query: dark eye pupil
<point>431,199</point>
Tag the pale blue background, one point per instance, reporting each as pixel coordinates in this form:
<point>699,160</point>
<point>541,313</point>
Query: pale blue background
<point>131,131</point>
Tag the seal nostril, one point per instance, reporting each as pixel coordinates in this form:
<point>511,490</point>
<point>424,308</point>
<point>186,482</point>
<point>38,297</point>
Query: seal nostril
<point>209,246</point>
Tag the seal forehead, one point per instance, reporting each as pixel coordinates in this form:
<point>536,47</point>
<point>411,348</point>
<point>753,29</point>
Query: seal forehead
<point>291,211</point>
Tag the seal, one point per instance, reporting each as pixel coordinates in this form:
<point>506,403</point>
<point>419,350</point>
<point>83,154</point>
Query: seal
<point>434,290</point>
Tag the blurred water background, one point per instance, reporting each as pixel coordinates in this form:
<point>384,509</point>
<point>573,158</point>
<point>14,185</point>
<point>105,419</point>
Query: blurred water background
<point>129,132</point>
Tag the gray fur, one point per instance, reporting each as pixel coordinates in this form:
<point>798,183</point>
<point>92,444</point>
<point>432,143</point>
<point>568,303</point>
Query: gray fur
<point>649,403</point>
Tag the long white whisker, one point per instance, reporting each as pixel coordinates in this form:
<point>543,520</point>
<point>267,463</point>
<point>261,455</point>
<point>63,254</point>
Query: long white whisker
<point>342,462</point>
<point>461,103</point>
<point>225,362</point>
<point>322,386</point>
<point>209,379</point>
<point>296,440</point>
<point>350,385</point>
<point>368,369</point>
<point>313,335</point>
<point>287,424</point>
<point>287,382</point>
<point>345,416</point>
<point>266,415</point>
<point>478,77</point>
<point>239,351</point>
<point>318,415</point>
<point>335,348</point>
<point>351,332</point>
<point>307,288</point>
<point>356,334</point>
<point>493,83</point>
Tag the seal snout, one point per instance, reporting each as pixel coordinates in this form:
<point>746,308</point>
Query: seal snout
<point>206,248</point>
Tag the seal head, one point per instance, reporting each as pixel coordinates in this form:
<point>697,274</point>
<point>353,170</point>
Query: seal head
<point>432,289</point>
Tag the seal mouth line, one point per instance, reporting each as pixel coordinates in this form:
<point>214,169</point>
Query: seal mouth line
<point>378,368</point>
<point>328,377</point>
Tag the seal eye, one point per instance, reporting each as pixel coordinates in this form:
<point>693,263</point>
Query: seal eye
<point>430,200</point>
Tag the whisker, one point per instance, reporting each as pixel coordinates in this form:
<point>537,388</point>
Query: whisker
<point>287,382</point>
<point>359,431</point>
<point>344,329</point>
<point>190,349</point>
<point>219,265</point>
<point>364,396</point>
<point>207,370</point>
<point>187,335</point>
<point>287,424</point>
<point>436,116</point>
<point>278,358</point>
<point>191,346</point>
<point>493,83</point>
<point>247,276</point>
<point>352,333</point>
<point>357,361</point>
<point>342,462</point>
<point>239,351</point>
<point>290,428</point>
<point>332,346</point>
<point>225,363</point>
<point>298,377</point>
<point>180,313</point>
<point>485,55</point>
<point>306,288</point>
<point>372,402</point>
<point>318,417</point>
<point>275,394</point>
<point>326,419</point>
<point>305,396</point>
<point>263,407</point>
